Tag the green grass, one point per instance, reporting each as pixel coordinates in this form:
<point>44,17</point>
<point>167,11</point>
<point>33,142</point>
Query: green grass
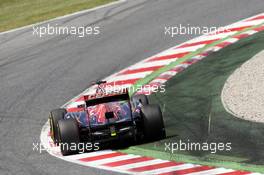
<point>17,13</point>
<point>193,96</point>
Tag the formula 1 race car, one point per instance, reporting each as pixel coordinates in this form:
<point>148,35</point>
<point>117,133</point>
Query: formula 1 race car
<point>107,117</point>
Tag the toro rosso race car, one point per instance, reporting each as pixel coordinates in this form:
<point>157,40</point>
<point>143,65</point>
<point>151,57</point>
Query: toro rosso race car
<point>107,117</point>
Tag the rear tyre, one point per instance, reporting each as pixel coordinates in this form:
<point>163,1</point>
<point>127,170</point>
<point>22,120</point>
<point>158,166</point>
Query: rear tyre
<point>153,125</point>
<point>55,116</point>
<point>69,138</point>
<point>143,99</point>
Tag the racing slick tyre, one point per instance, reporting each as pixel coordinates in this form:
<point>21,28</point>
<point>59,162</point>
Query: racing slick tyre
<point>153,125</point>
<point>55,116</point>
<point>69,138</point>
<point>143,99</point>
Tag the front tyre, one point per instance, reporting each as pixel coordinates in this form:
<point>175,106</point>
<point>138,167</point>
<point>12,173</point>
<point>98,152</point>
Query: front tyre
<point>69,138</point>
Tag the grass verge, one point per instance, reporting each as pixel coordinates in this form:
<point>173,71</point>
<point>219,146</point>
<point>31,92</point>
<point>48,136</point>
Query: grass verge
<point>14,13</point>
<point>194,113</point>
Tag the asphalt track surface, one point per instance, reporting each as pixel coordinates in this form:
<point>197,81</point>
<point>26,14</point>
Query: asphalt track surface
<point>39,74</point>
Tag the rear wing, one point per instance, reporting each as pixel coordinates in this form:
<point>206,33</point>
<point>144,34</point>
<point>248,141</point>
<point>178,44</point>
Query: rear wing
<point>104,93</point>
<point>106,99</point>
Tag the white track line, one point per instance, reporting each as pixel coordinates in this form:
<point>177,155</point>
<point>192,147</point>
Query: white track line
<point>246,23</point>
<point>212,171</point>
<point>86,155</point>
<point>130,76</point>
<point>188,49</point>
<point>211,37</point>
<point>151,64</point>
<point>140,164</point>
<point>170,72</point>
<point>114,159</point>
<point>158,80</point>
<point>231,40</point>
<point>171,169</point>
